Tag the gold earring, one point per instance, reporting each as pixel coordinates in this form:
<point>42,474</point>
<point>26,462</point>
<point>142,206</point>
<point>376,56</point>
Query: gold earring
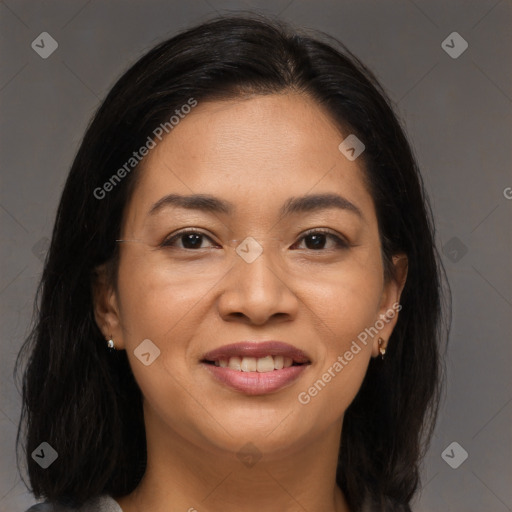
<point>110,343</point>
<point>382,349</point>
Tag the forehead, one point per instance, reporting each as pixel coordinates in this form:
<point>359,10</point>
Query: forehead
<point>254,151</point>
<point>270,129</point>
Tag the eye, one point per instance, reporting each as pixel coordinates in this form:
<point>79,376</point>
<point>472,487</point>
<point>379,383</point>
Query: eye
<point>317,239</point>
<point>191,239</point>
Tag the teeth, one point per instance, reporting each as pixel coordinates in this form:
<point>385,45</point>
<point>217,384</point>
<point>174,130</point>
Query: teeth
<point>249,364</point>
<point>253,364</point>
<point>278,362</point>
<point>265,364</point>
<point>235,363</point>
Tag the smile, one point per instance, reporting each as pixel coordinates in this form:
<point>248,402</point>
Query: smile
<point>256,368</point>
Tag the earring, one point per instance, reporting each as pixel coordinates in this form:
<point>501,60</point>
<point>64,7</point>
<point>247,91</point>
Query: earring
<point>110,344</point>
<point>382,349</point>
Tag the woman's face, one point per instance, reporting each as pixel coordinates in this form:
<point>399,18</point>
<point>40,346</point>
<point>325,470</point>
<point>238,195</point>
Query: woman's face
<point>316,292</point>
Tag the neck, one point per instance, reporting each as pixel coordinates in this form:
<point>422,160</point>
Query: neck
<point>180,475</point>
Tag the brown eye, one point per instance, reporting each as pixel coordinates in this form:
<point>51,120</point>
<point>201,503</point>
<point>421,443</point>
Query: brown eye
<point>190,240</point>
<point>316,240</point>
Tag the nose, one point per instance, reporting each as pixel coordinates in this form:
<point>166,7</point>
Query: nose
<point>257,290</point>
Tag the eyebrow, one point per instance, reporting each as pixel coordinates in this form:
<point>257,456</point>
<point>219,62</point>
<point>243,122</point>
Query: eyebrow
<point>211,204</point>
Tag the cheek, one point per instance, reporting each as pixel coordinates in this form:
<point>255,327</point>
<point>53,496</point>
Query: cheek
<point>159,307</point>
<point>332,390</point>
<point>156,302</point>
<point>345,301</point>
<point>167,308</point>
<point>345,309</point>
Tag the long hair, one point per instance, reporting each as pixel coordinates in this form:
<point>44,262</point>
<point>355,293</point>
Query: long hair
<point>86,403</point>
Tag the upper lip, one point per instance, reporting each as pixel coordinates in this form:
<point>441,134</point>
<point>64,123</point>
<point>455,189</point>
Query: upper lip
<point>257,349</point>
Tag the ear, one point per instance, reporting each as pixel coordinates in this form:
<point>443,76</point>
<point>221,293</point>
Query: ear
<point>390,302</point>
<point>105,305</point>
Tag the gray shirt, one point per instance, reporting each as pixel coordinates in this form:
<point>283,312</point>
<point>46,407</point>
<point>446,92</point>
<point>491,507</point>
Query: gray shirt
<point>106,503</point>
<point>103,503</point>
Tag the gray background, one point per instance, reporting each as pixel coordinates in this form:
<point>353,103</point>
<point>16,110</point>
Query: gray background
<point>457,113</point>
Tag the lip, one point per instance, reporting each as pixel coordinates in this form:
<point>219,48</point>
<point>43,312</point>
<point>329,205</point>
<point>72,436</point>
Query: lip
<point>256,383</point>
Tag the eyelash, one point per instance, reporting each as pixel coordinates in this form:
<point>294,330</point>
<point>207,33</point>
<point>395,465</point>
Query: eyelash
<point>340,242</point>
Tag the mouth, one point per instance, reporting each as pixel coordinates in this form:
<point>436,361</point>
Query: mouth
<point>256,368</point>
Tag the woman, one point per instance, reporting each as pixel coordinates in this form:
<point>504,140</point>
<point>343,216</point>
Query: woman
<point>241,308</point>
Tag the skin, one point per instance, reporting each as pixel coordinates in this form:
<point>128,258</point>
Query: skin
<point>256,152</point>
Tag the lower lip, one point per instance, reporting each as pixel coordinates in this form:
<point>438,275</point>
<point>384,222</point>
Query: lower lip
<point>256,383</point>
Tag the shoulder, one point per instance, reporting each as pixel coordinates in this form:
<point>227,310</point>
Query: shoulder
<point>103,503</point>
